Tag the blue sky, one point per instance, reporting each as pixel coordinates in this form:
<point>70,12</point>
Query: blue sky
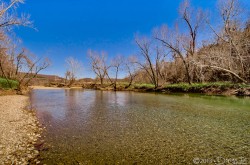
<point>71,27</point>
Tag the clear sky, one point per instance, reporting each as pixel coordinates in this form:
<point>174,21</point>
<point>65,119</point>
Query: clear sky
<point>71,27</point>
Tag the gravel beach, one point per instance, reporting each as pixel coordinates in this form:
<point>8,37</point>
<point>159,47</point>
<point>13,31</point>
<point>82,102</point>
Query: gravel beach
<point>19,131</point>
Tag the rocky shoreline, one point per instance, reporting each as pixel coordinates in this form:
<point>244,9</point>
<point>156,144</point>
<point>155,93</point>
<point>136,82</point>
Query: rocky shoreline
<point>19,131</point>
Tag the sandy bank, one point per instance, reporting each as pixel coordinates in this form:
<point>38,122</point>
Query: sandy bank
<point>43,87</point>
<point>18,131</point>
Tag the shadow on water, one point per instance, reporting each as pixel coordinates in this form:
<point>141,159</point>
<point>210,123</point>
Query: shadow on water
<point>98,127</point>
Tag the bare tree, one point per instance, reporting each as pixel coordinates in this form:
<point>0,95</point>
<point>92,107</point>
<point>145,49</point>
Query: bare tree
<point>230,52</point>
<point>183,45</point>
<point>99,64</point>
<point>116,64</point>
<point>8,16</point>
<point>131,69</point>
<point>5,66</point>
<point>153,58</point>
<point>73,68</point>
<point>24,67</point>
<point>8,19</point>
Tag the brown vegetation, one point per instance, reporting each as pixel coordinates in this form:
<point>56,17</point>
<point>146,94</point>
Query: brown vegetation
<point>22,66</point>
<point>177,55</point>
<point>73,68</point>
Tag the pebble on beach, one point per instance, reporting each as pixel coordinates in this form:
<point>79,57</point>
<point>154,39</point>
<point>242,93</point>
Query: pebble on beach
<point>19,131</point>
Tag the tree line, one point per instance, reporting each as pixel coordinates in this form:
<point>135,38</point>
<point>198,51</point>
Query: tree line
<point>16,63</point>
<point>180,54</point>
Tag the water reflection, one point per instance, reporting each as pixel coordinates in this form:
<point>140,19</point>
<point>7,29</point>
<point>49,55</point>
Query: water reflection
<point>97,127</point>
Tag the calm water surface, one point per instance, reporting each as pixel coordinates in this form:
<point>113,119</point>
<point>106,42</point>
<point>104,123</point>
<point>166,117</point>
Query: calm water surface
<point>100,127</point>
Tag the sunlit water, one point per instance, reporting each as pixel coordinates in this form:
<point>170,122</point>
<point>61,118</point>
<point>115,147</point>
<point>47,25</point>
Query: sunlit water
<point>100,127</point>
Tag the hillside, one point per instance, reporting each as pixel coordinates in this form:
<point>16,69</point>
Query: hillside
<point>43,79</point>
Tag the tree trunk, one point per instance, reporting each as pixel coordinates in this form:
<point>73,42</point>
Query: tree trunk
<point>226,70</point>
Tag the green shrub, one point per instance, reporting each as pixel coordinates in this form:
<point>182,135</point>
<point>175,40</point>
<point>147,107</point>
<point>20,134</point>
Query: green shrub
<point>199,86</point>
<point>4,83</point>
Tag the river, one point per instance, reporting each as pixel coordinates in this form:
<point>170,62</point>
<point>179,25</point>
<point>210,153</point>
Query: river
<point>105,127</point>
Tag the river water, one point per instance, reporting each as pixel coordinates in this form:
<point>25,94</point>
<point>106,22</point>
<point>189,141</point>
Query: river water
<point>105,127</point>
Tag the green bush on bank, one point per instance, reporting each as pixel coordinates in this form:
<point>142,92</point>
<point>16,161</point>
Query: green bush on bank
<point>192,87</point>
<point>199,86</point>
<point>4,83</point>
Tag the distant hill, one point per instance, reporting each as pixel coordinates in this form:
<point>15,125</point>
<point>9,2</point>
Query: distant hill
<point>86,80</point>
<point>49,77</point>
<point>43,79</point>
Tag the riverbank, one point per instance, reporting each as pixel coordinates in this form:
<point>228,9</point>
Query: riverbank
<point>19,131</point>
<point>43,87</point>
<point>224,89</point>
<point>217,88</point>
